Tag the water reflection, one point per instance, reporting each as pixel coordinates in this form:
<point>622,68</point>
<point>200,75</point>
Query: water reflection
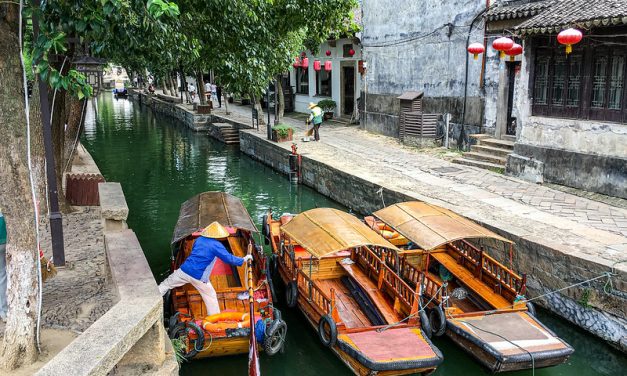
<point>160,165</point>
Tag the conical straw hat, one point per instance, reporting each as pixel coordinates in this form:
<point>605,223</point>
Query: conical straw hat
<point>215,230</point>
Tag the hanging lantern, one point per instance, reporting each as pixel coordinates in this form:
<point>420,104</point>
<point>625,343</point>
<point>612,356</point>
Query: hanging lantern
<point>569,37</point>
<point>351,52</point>
<point>475,49</point>
<point>327,66</point>
<point>328,52</point>
<point>296,63</point>
<point>303,54</point>
<point>317,65</point>
<point>514,51</point>
<point>304,63</point>
<point>502,44</point>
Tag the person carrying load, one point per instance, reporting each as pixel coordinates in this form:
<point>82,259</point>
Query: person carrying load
<point>315,118</point>
<point>198,266</point>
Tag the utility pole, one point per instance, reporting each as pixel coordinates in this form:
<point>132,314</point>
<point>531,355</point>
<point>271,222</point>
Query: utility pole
<point>56,221</point>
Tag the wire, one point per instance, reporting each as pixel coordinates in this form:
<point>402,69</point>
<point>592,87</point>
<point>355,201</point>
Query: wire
<point>31,178</point>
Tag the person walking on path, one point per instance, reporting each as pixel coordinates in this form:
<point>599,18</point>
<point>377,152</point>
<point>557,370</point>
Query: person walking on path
<point>3,269</point>
<point>198,266</point>
<point>315,117</point>
<point>219,95</point>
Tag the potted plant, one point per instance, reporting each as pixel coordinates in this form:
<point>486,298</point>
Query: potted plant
<point>282,132</point>
<point>328,106</point>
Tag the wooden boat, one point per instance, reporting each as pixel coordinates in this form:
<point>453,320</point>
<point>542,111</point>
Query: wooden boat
<point>186,315</point>
<point>477,301</point>
<point>360,308</point>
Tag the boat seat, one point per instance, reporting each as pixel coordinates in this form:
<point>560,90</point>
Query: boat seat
<point>467,278</point>
<point>375,295</point>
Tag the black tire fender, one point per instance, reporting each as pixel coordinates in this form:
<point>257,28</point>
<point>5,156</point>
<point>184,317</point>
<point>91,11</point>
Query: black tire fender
<point>425,324</point>
<point>328,339</point>
<point>531,309</point>
<point>275,337</point>
<point>291,294</point>
<point>265,229</point>
<point>183,329</point>
<point>437,321</point>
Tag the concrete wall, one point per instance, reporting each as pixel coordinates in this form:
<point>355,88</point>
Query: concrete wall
<point>419,46</point>
<point>551,266</point>
<point>337,62</point>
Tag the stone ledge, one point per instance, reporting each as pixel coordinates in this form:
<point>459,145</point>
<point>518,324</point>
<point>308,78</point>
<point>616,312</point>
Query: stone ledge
<point>112,202</point>
<point>101,347</point>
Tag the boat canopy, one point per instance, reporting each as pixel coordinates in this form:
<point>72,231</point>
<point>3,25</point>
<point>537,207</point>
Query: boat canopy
<point>205,208</point>
<point>430,226</point>
<point>324,231</point>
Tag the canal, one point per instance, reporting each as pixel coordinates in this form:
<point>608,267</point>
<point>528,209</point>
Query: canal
<point>161,164</point>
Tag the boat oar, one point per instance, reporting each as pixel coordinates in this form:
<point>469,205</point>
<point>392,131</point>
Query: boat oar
<point>253,356</point>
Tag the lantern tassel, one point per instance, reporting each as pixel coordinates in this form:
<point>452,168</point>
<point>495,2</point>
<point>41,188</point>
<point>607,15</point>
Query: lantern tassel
<point>475,56</point>
<point>569,48</point>
<point>502,54</point>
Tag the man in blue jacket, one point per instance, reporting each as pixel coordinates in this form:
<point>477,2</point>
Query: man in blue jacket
<point>198,266</point>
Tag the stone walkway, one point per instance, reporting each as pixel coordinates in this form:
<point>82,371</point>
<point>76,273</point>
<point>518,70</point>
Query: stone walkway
<point>584,227</point>
<point>80,293</point>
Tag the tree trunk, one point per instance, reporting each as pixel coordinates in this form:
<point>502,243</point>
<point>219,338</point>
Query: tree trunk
<point>226,103</point>
<point>165,85</point>
<point>18,346</point>
<point>201,88</point>
<point>281,108</point>
<point>76,116</point>
<point>262,119</point>
<point>174,85</point>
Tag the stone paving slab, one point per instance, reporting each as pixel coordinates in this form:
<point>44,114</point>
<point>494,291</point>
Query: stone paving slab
<point>594,230</point>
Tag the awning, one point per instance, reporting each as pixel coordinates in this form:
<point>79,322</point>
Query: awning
<point>324,231</point>
<point>205,208</point>
<point>429,226</point>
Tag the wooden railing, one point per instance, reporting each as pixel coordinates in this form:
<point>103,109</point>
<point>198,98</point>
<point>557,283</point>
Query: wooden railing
<point>313,293</point>
<point>432,289</point>
<point>413,276</point>
<point>287,258</point>
<point>483,264</point>
<point>384,275</point>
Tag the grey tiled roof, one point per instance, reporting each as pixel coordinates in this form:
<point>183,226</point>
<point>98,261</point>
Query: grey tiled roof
<point>516,9</point>
<point>583,13</point>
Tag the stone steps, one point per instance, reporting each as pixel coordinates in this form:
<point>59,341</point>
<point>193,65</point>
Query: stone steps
<point>497,152</point>
<point>486,158</point>
<point>230,135</point>
<point>502,144</point>
<point>480,164</point>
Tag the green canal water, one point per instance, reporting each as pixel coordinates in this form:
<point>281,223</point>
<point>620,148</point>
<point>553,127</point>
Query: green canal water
<point>161,164</point>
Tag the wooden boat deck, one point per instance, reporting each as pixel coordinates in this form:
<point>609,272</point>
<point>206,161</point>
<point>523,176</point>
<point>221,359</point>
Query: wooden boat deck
<point>392,345</point>
<point>350,313</point>
<point>374,293</point>
<point>473,283</point>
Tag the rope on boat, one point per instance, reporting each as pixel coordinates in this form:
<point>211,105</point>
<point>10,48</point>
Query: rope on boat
<point>422,308</point>
<point>533,365</point>
<point>380,192</point>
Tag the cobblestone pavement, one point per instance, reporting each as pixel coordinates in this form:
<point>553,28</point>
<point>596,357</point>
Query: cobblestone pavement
<point>80,293</point>
<point>589,228</point>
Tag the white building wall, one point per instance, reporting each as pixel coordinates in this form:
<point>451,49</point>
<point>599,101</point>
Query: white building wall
<point>337,60</point>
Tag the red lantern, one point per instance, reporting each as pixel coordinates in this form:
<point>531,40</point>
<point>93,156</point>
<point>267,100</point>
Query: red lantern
<point>317,65</point>
<point>328,52</point>
<point>351,52</point>
<point>515,50</point>
<point>327,66</point>
<point>475,49</point>
<point>303,54</point>
<point>296,63</point>
<point>502,44</point>
<point>569,37</point>
<point>304,63</point>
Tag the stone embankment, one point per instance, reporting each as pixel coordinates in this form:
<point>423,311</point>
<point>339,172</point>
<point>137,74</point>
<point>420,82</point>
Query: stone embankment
<point>107,294</point>
<point>561,239</point>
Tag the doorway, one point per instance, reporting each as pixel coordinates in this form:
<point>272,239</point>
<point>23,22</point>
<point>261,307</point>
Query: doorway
<point>348,90</point>
<point>512,70</point>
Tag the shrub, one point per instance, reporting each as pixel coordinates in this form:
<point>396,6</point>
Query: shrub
<point>282,130</point>
<point>327,105</point>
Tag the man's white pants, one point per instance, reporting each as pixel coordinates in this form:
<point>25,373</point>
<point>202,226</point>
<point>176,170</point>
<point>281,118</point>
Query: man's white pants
<point>206,290</point>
